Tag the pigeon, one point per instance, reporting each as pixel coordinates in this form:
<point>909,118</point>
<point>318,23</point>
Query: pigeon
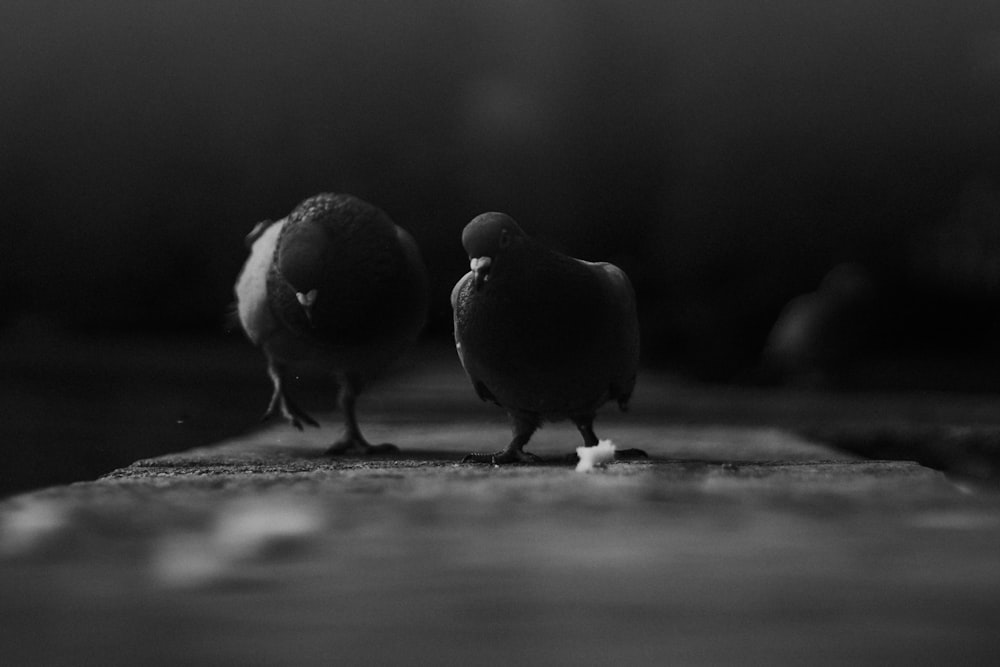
<point>545,336</point>
<point>818,335</point>
<point>334,285</point>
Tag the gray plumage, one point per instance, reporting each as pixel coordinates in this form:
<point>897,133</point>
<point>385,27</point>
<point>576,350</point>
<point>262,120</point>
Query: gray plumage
<point>545,336</point>
<point>335,285</point>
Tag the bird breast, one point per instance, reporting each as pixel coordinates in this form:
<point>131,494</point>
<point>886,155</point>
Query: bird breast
<point>539,338</point>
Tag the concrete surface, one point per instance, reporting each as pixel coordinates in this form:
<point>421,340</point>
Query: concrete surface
<point>738,542</point>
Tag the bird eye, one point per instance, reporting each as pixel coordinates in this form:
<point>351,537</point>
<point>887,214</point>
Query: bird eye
<point>504,238</point>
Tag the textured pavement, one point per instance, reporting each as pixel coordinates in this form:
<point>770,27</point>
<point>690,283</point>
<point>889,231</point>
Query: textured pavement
<point>740,541</point>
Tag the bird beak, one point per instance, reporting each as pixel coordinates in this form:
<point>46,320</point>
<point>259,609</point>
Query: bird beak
<point>480,270</point>
<point>307,300</point>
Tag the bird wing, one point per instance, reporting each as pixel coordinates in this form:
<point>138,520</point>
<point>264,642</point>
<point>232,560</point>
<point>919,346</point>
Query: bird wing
<point>410,249</point>
<point>619,285</point>
<point>251,287</point>
<point>482,391</point>
<point>455,291</point>
<point>417,270</point>
<point>621,298</point>
<point>458,288</point>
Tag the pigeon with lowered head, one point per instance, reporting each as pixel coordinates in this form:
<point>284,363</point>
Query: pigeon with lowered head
<point>335,285</point>
<point>545,336</point>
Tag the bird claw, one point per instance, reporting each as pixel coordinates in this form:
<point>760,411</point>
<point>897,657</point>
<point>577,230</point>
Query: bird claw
<point>294,419</point>
<point>502,457</point>
<point>360,446</point>
<point>290,412</point>
<point>304,418</point>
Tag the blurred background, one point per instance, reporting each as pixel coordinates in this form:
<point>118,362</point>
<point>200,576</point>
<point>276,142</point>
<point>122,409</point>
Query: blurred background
<point>802,192</point>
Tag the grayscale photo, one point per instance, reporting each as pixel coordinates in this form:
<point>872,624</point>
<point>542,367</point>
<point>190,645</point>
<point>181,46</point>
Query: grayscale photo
<point>570,332</point>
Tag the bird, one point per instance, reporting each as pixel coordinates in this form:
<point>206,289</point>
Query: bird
<point>818,335</point>
<point>543,335</point>
<point>335,285</point>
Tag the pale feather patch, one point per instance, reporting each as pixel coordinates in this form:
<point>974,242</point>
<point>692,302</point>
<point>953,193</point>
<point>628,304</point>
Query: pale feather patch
<point>251,287</point>
<point>595,457</point>
<point>479,263</point>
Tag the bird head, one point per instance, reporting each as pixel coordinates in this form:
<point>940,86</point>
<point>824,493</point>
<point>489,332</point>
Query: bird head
<point>486,239</point>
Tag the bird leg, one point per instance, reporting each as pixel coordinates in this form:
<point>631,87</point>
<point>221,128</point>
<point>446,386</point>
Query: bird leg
<point>280,402</point>
<point>586,427</point>
<point>523,429</point>
<point>353,442</point>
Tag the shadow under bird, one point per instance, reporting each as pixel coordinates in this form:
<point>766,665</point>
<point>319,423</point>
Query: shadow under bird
<point>335,285</point>
<point>545,336</point>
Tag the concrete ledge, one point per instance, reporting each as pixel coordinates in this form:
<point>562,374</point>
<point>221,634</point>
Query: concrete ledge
<point>731,545</point>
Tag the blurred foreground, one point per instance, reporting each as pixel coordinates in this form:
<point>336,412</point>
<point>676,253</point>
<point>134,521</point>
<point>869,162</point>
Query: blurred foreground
<point>732,544</point>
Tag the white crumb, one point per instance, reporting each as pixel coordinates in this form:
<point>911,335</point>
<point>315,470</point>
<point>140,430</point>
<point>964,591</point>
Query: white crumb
<point>595,457</point>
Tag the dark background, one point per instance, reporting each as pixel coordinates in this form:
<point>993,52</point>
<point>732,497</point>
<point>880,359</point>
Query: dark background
<point>726,154</point>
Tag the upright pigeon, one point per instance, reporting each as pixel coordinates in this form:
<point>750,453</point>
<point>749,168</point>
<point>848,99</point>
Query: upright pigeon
<point>335,285</point>
<point>545,336</point>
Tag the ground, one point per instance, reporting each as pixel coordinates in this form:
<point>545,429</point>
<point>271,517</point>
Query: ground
<point>746,538</point>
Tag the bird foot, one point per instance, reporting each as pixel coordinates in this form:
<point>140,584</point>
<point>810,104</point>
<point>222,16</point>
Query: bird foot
<point>290,412</point>
<point>502,457</point>
<point>360,446</point>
